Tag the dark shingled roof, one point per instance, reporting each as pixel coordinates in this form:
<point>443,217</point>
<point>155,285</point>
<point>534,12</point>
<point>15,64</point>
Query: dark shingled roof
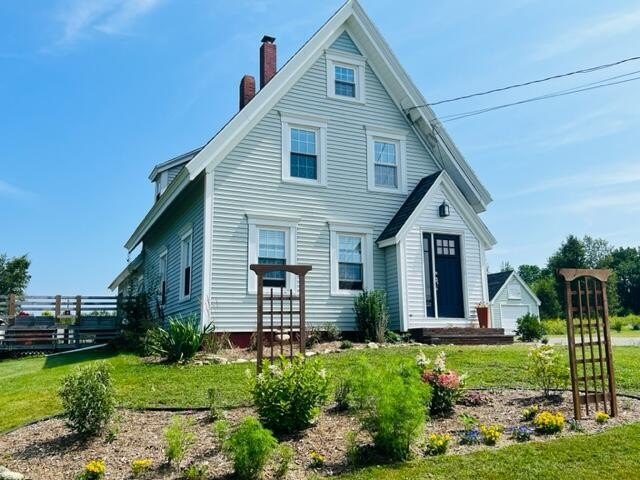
<point>409,205</point>
<point>496,281</point>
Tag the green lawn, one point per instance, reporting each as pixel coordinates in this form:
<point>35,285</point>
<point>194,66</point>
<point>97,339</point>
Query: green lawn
<point>28,387</point>
<point>611,455</point>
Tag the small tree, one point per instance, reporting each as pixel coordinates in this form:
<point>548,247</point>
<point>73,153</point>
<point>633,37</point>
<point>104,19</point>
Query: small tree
<point>547,369</point>
<point>14,274</point>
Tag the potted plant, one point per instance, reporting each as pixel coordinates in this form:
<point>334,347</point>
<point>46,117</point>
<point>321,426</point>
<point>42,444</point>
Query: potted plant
<point>482,309</point>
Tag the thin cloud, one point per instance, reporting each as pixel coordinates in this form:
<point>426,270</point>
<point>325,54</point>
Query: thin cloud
<point>9,190</point>
<point>81,18</point>
<point>590,32</point>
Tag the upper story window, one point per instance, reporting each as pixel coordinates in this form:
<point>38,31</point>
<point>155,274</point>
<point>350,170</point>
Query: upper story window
<point>304,148</point>
<point>386,165</point>
<point>162,182</point>
<point>162,271</point>
<point>272,241</point>
<point>186,259</point>
<point>345,77</point>
<point>351,258</point>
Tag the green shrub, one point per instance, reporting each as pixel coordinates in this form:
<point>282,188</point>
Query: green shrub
<point>554,327</point>
<point>618,324</point>
<point>181,340</point>
<point>328,332</point>
<point>344,396</point>
<point>346,345</point>
<point>137,319</point>
<point>196,471</point>
<point>393,408</point>
<point>213,401</point>
<point>529,328</point>
<point>249,446</point>
<point>547,369</point>
<point>372,317</point>
<point>88,398</point>
<point>178,438</point>
<point>288,395</point>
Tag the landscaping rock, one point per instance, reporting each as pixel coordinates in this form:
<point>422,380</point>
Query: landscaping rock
<point>310,354</point>
<point>219,360</point>
<point>241,360</point>
<point>372,345</point>
<point>282,337</point>
<point>6,474</point>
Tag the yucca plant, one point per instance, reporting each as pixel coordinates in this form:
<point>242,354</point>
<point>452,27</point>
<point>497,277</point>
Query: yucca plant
<point>181,340</point>
<point>372,316</point>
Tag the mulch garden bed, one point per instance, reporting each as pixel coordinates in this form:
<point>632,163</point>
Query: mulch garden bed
<point>49,450</point>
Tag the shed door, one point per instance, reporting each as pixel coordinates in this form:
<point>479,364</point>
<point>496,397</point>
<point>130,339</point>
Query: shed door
<point>511,314</point>
<point>449,276</point>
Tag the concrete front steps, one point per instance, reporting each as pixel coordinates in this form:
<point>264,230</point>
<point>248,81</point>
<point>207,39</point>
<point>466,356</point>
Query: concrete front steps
<point>461,336</point>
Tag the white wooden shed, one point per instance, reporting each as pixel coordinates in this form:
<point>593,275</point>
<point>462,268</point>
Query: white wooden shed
<point>510,298</point>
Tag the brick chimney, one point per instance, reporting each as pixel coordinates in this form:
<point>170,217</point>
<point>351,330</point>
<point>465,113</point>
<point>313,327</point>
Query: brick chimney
<point>247,90</point>
<point>267,60</point>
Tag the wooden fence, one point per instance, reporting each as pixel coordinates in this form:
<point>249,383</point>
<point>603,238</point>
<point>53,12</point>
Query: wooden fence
<point>57,322</point>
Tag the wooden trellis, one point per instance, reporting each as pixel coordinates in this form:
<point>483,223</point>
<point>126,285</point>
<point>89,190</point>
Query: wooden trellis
<point>280,314</point>
<point>590,354</point>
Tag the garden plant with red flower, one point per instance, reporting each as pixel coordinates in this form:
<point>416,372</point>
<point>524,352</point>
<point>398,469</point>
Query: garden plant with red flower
<point>446,385</point>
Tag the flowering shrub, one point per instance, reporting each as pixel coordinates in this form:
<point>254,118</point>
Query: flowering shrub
<point>437,444</point>
<point>521,433</point>
<point>530,413</point>
<point>547,369</point>
<point>602,417</point>
<point>548,423</point>
<point>490,433</point>
<point>140,466</point>
<point>94,470</point>
<point>288,396</point>
<point>446,385</point>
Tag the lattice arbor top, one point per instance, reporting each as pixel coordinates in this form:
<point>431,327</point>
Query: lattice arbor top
<point>280,314</point>
<point>590,353</point>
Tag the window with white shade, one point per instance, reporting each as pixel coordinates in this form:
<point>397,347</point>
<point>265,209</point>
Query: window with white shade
<point>386,160</point>
<point>304,149</point>
<point>162,273</point>
<point>186,258</point>
<point>346,77</point>
<point>272,251</point>
<point>351,258</point>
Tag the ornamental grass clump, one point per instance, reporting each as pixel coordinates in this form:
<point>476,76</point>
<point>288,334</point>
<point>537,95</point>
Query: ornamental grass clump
<point>547,369</point>
<point>181,340</point>
<point>88,398</point>
<point>94,470</point>
<point>490,433</point>
<point>446,385</point>
<point>288,395</point>
<point>437,444</point>
<point>548,423</point>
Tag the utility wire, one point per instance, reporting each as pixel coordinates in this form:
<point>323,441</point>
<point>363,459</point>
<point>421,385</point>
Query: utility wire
<point>458,116</point>
<point>532,82</point>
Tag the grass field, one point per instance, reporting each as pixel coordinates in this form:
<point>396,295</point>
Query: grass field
<point>28,387</point>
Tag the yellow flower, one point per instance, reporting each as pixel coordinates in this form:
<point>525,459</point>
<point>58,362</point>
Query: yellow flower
<point>547,422</point>
<point>602,417</point>
<point>490,433</point>
<point>95,467</point>
<point>140,465</point>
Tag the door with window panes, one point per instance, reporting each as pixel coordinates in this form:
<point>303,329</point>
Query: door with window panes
<point>443,276</point>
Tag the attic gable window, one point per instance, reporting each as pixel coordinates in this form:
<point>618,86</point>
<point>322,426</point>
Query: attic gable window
<point>345,77</point>
<point>304,147</point>
<point>386,160</point>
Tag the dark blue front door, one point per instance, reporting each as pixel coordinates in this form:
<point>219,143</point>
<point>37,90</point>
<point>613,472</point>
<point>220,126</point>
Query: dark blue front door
<point>448,276</point>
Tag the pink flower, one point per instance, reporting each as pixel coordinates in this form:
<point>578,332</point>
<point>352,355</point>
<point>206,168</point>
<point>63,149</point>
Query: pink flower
<point>449,380</point>
<point>428,377</point>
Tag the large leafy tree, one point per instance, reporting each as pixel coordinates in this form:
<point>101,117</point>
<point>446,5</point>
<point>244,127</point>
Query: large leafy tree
<point>597,252</point>
<point>626,264</point>
<point>547,292</point>
<point>530,273</point>
<point>14,274</point>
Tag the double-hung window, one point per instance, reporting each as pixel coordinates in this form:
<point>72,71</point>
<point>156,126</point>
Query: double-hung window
<point>351,258</point>
<point>345,77</point>
<point>272,251</point>
<point>272,241</point>
<point>386,160</point>
<point>304,149</point>
<point>186,258</point>
<point>162,272</point>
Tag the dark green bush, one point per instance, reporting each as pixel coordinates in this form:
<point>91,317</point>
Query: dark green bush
<point>392,404</point>
<point>181,340</point>
<point>372,317</point>
<point>249,446</point>
<point>529,328</point>
<point>288,395</point>
<point>88,398</point>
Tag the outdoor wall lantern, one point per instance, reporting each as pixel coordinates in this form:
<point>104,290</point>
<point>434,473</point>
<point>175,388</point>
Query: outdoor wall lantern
<point>445,211</point>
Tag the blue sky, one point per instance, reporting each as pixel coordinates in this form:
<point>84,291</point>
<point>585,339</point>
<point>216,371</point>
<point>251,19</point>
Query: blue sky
<point>93,93</point>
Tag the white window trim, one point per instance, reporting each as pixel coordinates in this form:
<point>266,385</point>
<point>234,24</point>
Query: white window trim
<point>306,122</point>
<point>355,62</point>
<point>290,227</point>
<point>400,139</point>
<point>339,228</point>
<point>183,265</point>
<point>164,253</point>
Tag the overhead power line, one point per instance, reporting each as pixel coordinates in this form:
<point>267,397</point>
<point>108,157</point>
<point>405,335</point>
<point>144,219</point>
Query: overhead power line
<point>531,82</point>
<point>583,88</point>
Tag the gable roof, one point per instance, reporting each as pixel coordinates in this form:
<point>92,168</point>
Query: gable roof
<point>408,207</point>
<point>413,207</point>
<point>495,282</point>
<point>131,267</point>
<point>498,281</point>
<point>173,162</point>
<point>352,18</point>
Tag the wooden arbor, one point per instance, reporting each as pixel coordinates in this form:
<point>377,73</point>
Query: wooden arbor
<point>283,303</point>
<point>590,354</point>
